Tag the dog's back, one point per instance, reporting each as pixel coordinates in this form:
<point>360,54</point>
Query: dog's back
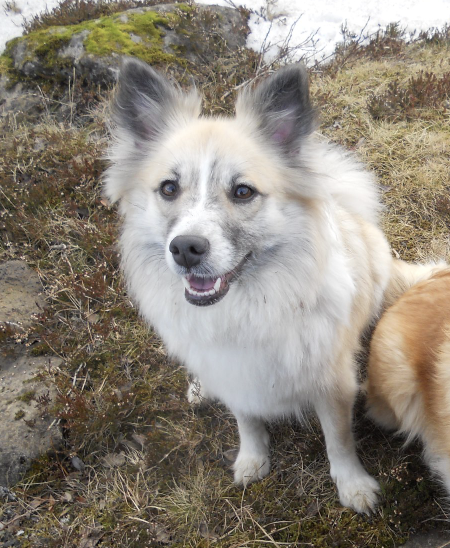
<point>408,386</point>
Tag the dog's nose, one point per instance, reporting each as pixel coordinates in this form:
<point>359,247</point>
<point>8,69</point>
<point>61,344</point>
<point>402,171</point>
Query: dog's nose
<point>188,251</point>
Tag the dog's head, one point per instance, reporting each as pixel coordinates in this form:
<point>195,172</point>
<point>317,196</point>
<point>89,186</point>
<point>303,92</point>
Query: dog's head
<point>209,195</point>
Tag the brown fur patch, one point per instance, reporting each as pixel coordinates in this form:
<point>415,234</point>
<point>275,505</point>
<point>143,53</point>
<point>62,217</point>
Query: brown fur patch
<point>409,366</point>
<point>421,316</point>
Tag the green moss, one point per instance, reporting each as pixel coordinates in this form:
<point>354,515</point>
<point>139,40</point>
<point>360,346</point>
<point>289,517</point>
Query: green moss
<point>5,64</point>
<point>136,35</point>
<point>27,397</point>
<point>185,8</point>
<point>43,45</point>
<point>113,35</point>
<point>19,415</point>
<point>41,349</point>
<point>45,468</point>
<point>51,43</point>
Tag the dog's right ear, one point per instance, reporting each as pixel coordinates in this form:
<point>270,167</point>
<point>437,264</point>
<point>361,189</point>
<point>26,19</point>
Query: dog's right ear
<point>145,107</point>
<point>146,104</point>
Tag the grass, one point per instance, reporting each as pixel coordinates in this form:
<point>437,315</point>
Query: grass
<point>140,467</point>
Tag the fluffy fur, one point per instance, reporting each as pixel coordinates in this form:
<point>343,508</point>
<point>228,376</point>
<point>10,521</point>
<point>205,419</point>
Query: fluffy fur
<point>408,387</point>
<point>301,263</point>
<point>405,275</point>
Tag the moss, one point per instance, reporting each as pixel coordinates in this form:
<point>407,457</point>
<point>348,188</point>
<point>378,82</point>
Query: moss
<point>45,468</point>
<point>19,415</point>
<point>106,36</point>
<point>40,349</point>
<point>27,397</point>
<point>50,43</point>
<point>185,8</point>
<point>108,521</point>
<point>6,65</point>
<point>112,35</point>
<point>41,45</point>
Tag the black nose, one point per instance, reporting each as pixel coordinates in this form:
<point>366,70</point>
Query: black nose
<point>188,251</point>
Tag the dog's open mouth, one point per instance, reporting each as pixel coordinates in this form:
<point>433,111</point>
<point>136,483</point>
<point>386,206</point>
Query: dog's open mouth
<point>203,291</point>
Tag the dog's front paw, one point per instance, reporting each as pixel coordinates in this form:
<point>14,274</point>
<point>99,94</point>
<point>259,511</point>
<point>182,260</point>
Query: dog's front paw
<point>360,493</point>
<point>250,467</point>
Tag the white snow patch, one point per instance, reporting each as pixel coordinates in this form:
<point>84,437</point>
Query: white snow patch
<point>316,27</point>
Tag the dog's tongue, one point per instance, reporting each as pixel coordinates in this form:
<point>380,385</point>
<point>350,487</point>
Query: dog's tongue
<point>201,284</point>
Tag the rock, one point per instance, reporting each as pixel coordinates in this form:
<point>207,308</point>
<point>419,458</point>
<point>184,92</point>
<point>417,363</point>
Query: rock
<point>168,34</point>
<point>21,295</point>
<point>429,540</point>
<point>25,431</point>
<point>17,101</point>
<point>63,71</point>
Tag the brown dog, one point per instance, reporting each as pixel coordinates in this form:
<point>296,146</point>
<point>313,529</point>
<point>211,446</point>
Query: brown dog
<point>408,388</point>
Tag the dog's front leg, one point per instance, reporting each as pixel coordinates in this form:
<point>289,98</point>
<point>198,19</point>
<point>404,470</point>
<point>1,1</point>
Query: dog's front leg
<point>356,488</point>
<point>253,461</point>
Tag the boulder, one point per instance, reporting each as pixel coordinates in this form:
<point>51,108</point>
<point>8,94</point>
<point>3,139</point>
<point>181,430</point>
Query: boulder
<point>168,34</point>
<point>21,295</point>
<point>433,539</point>
<point>26,429</point>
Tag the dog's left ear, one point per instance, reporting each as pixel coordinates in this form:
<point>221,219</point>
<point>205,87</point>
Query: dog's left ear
<point>281,108</point>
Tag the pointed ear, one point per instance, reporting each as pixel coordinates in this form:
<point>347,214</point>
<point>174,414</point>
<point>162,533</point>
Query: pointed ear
<point>145,107</point>
<point>146,103</point>
<point>280,107</point>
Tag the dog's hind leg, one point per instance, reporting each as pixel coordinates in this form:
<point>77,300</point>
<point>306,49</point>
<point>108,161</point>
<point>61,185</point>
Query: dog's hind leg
<point>356,488</point>
<point>253,462</point>
<point>439,464</point>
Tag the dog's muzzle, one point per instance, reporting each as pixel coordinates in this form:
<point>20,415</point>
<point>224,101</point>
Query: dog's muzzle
<point>188,252</point>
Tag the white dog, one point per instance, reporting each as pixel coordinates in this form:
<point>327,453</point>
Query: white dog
<point>253,249</point>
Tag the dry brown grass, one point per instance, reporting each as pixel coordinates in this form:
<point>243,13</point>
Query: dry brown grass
<point>140,467</point>
<point>410,156</point>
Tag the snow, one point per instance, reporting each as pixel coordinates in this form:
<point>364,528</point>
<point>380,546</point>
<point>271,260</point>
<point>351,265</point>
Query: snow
<point>313,28</point>
<point>317,25</point>
<point>11,19</point>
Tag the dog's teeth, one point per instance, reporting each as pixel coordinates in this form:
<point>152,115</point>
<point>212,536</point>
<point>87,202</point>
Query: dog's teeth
<point>192,291</point>
<point>208,293</point>
<point>186,284</point>
<point>217,284</point>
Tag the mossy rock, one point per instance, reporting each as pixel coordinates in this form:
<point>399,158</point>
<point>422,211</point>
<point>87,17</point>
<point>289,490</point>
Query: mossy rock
<point>179,35</point>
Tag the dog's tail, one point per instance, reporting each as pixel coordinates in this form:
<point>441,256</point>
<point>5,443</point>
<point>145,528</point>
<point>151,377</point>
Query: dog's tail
<point>404,275</point>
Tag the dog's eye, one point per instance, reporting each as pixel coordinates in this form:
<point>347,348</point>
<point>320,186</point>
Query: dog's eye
<point>243,192</point>
<point>169,189</point>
